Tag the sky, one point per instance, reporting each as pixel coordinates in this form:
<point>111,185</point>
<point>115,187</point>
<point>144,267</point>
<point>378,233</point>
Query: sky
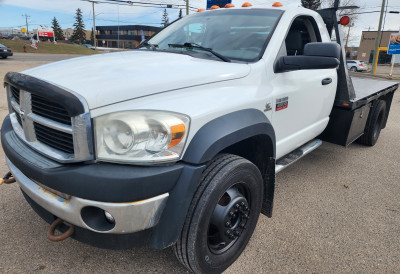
<point>41,12</point>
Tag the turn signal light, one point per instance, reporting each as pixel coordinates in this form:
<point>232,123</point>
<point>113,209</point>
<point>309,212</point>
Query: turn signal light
<point>246,5</point>
<point>177,133</point>
<point>214,7</point>
<point>229,5</point>
<point>200,10</point>
<point>277,4</point>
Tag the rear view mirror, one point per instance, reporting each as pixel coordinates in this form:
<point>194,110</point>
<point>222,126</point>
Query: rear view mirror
<point>316,56</point>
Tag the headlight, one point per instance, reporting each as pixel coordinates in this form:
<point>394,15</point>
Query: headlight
<point>140,137</point>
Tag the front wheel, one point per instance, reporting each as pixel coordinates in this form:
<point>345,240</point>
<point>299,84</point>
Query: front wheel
<point>222,216</point>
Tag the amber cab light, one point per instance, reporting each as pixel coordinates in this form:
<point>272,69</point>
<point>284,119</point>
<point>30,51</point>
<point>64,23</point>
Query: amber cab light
<point>229,5</point>
<point>214,7</point>
<point>200,10</point>
<point>277,4</point>
<point>246,5</point>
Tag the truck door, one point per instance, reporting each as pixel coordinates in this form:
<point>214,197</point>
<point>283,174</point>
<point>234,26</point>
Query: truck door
<point>304,98</point>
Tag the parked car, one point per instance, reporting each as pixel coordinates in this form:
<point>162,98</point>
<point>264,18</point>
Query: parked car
<point>19,35</point>
<point>5,51</point>
<point>355,65</point>
<point>182,150</point>
<point>89,46</point>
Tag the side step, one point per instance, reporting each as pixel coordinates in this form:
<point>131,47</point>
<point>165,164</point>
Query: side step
<point>297,154</point>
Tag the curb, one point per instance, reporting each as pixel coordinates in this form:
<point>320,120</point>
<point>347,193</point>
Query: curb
<point>377,76</point>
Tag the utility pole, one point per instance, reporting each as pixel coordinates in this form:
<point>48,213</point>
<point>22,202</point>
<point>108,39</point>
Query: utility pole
<point>348,35</point>
<point>94,27</point>
<point>26,19</point>
<point>118,28</point>
<point>187,7</point>
<point>378,39</point>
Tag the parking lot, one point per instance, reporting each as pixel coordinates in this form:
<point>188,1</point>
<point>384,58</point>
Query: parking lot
<point>337,210</point>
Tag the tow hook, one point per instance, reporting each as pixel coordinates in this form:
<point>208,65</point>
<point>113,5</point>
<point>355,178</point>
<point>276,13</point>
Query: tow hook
<point>7,179</point>
<point>58,238</point>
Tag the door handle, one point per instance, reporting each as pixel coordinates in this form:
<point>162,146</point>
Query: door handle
<point>326,81</point>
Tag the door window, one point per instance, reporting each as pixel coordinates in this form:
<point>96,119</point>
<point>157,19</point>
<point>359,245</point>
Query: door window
<point>303,31</point>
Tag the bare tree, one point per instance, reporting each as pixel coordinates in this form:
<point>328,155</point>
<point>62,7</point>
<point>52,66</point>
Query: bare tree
<point>350,13</point>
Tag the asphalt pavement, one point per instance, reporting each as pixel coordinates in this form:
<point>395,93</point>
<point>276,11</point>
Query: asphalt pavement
<point>336,211</point>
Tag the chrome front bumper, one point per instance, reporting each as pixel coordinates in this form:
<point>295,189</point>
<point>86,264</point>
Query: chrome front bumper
<point>129,217</point>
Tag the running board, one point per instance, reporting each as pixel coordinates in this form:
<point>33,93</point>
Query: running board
<point>295,155</point>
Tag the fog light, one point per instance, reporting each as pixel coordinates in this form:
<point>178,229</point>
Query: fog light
<point>109,217</point>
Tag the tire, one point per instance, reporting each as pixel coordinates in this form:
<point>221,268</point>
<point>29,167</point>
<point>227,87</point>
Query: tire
<point>353,69</point>
<point>205,246</point>
<point>374,124</point>
<point>4,57</point>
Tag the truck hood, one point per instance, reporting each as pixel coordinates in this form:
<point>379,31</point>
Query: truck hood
<point>114,77</point>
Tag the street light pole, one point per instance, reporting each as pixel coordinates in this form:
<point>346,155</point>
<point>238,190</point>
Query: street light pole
<point>378,39</point>
<point>94,27</point>
<point>187,7</point>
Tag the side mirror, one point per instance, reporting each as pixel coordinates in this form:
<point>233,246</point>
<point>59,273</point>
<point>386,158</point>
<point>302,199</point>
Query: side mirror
<point>316,56</point>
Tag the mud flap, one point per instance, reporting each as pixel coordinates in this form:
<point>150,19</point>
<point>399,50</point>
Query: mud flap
<point>269,188</point>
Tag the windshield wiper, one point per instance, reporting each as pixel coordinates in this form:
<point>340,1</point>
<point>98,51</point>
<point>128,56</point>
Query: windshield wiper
<point>196,46</point>
<point>147,44</point>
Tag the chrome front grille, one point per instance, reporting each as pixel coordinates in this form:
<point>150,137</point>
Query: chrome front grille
<point>45,108</point>
<point>47,127</point>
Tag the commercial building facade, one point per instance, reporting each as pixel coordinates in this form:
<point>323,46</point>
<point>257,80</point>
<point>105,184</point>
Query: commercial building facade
<point>124,37</point>
<point>367,47</point>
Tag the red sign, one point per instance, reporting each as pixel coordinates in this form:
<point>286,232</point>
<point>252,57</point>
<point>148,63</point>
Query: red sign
<point>46,34</point>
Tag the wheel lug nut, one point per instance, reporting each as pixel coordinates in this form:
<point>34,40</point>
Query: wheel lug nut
<point>237,233</point>
<point>242,204</point>
<point>237,206</point>
<point>245,216</point>
<point>231,237</point>
<point>228,224</point>
<point>228,232</point>
<point>231,214</point>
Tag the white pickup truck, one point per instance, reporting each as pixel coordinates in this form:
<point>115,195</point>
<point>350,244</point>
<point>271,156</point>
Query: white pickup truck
<point>177,143</point>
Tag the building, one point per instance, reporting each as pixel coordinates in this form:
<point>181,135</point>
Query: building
<point>68,33</point>
<point>351,53</point>
<point>367,47</point>
<point>128,36</point>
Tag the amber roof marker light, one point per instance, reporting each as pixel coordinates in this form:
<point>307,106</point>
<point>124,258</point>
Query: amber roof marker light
<point>246,5</point>
<point>200,10</point>
<point>277,4</point>
<point>229,5</point>
<point>214,7</point>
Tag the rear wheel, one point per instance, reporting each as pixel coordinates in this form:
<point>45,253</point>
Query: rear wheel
<point>222,216</point>
<point>374,124</point>
<point>353,69</point>
<point>4,57</point>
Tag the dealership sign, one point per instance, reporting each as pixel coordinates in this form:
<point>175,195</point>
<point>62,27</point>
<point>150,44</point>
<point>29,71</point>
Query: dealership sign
<point>394,44</point>
<point>45,32</point>
<point>219,3</point>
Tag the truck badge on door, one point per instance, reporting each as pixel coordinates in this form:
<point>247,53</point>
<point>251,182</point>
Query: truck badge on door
<point>282,103</point>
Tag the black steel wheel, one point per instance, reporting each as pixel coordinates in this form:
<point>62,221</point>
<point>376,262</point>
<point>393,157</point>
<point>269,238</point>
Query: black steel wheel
<point>374,125</point>
<point>222,216</point>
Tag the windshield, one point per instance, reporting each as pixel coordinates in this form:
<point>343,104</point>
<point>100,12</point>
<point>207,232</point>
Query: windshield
<point>236,34</point>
